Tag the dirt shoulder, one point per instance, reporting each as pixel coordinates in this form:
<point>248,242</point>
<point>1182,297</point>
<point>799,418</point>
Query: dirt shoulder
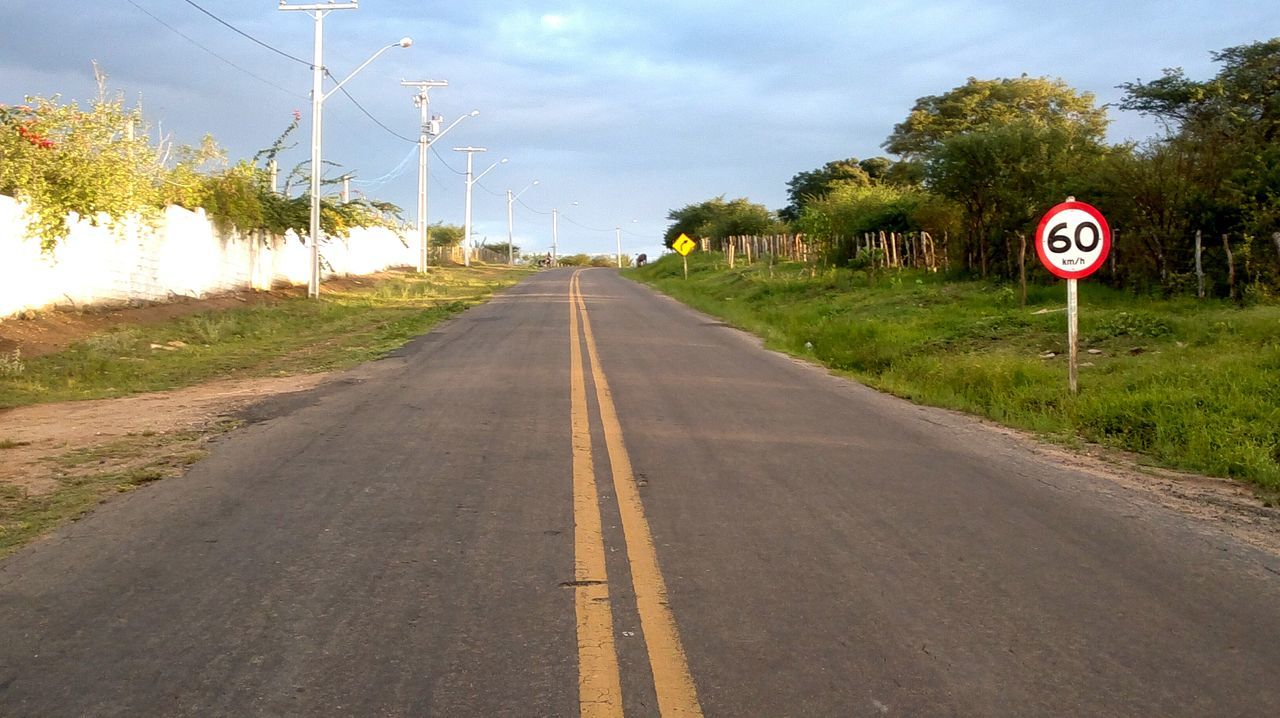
<point>43,432</point>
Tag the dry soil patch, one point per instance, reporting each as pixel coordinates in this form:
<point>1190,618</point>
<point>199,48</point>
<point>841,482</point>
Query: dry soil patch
<point>37,435</point>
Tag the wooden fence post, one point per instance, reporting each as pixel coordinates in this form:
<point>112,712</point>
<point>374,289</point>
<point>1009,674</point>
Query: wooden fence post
<point>1231,267</point>
<point>1199,268</point>
<point>1022,266</point>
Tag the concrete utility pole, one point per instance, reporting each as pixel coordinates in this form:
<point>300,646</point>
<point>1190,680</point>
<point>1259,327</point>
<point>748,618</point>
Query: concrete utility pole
<point>511,198</point>
<point>555,229</point>
<point>466,227</point>
<point>318,12</point>
<point>618,231</point>
<point>430,128</point>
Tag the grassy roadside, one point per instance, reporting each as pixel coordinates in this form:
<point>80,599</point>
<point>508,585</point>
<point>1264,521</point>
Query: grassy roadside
<point>292,336</point>
<point>1192,385</point>
<point>289,336</point>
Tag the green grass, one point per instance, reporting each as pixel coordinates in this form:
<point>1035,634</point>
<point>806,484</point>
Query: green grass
<point>1194,385</point>
<point>269,338</point>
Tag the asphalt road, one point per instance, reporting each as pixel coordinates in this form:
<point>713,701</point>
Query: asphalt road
<point>583,498</point>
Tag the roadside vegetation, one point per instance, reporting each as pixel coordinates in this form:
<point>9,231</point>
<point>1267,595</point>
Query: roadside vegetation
<point>1191,384</point>
<point>102,161</point>
<point>972,169</point>
<point>359,321</point>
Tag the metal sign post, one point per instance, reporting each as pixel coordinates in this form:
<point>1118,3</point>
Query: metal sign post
<point>1073,335</point>
<point>684,246</point>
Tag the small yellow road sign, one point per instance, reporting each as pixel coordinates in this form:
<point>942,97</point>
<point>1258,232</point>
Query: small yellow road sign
<point>683,245</point>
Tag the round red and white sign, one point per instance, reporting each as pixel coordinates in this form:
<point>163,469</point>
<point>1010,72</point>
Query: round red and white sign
<point>1073,240</point>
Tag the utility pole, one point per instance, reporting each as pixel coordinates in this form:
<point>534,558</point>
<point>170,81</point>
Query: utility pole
<point>466,226</point>
<point>618,231</point>
<point>430,128</point>
<point>555,225</point>
<point>511,260</point>
<point>318,11</point>
<point>511,198</point>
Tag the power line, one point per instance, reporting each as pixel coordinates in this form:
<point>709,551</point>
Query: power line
<point>531,209</point>
<point>277,51</point>
<point>445,162</point>
<point>368,114</point>
<point>394,173</point>
<point>579,224</point>
<point>486,189</point>
<point>191,40</point>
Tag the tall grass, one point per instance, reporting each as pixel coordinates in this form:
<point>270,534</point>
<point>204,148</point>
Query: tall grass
<point>278,337</point>
<point>1194,385</point>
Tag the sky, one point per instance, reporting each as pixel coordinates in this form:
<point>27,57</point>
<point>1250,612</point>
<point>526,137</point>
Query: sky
<point>622,110</point>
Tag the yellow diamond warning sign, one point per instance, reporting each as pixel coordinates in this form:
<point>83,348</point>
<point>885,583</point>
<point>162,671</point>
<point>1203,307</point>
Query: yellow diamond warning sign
<point>683,245</point>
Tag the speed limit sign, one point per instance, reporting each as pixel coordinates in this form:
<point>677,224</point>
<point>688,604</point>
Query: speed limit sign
<point>1073,240</point>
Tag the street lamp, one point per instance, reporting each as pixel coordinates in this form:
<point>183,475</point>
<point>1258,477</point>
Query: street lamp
<point>618,231</point>
<point>466,230</point>
<point>430,132</point>
<point>318,96</point>
<point>510,240</point>
<point>555,235</point>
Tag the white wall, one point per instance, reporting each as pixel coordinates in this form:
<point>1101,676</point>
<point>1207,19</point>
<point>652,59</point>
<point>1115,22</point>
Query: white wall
<point>181,254</point>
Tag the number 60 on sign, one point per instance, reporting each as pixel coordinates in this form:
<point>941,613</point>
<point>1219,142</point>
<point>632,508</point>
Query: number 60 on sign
<point>1073,240</point>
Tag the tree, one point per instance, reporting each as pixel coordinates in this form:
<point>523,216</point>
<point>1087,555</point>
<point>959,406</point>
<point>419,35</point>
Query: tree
<point>983,104</point>
<point>1230,128</point>
<point>1004,176</point>
<point>716,219</point>
<point>816,183</point>
<point>446,235</point>
<point>805,187</point>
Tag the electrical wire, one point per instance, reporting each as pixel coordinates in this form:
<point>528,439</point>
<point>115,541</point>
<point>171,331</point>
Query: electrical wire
<point>368,114</point>
<point>399,170</point>
<point>579,224</point>
<point>486,189</point>
<point>191,40</point>
<point>531,209</point>
<point>277,51</point>
<point>440,157</point>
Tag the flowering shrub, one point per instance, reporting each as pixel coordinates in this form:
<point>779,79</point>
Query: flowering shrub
<point>100,164</point>
<point>61,158</point>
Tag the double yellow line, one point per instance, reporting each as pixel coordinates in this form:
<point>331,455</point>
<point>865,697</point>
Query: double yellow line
<point>599,685</point>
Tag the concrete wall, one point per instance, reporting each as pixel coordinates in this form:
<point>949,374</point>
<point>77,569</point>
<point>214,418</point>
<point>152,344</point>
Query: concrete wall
<point>181,254</point>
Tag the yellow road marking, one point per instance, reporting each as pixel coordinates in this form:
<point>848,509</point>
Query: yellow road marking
<point>599,687</point>
<point>677,695</point>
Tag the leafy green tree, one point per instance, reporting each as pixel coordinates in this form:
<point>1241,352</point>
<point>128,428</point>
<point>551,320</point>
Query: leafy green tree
<point>716,219</point>
<point>446,235</point>
<point>816,183</point>
<point>1229,129</point>
<point>983,104</point>
<point>1004,177</point>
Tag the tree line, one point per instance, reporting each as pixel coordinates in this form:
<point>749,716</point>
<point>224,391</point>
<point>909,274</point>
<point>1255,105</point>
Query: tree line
<point>976,166</point>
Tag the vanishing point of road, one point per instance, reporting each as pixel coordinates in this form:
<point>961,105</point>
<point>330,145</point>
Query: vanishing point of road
<point>584,499</point>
